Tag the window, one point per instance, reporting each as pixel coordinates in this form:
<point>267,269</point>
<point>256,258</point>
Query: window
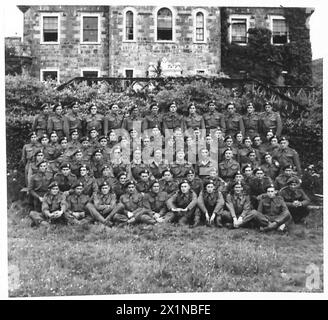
<point>164,25</point>
<point>239,30</point>
<point>89,74</point>
<point>49,75</point>
<point>90,28</point>
<point>279,31</point>
<point>50,28</point>
<point>200,26</point>
<point>200,72</point>
<point>129,73</point>
<point>129,26</point>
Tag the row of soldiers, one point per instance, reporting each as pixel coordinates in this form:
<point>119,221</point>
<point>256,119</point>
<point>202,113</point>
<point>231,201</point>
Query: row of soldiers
<point>205,176</point>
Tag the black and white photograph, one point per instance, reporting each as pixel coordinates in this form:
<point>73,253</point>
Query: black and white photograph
<point>163,148</point>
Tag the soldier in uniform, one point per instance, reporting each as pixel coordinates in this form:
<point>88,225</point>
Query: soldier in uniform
<point>52,209</point>
<point>106,176</point>
<point>228,141</point>
<point>119,188</point>
<point>270,167</point>
<point>137,165</point>
<point>64,154</point>
<point>86,149</point>
<point>287,156</point>
<point>196,184</point>
<point>237,178</point>
<point>244,152</point>
<point>296,199</point>
<point>210,204</point>
<point>51,149</point>
<point>134,121</point>
<point>214,119</point>
<point>158,164</point>
<point>194,120</point>
<point>93,139</point>
<point>40,122</point>
<point>182,204</point>
<point>77,161</point>
<point>113,120</point>
<point>270,120</point>
<point>65,179</point>
<point>143,184</point>
<point>248,173</point>
<point>282,178</point>
<point>102,204</point>
<point>272,212</point>
<point>205,163</point>
<point>228,167</point>
<point>34,166</point>
<point>90,186</point>
<point>172,120</point>
<point>131,208</point>
<point>105,150</point>
<point>93,120</point>
<point>267,143</point>
<point>238,144</point>
<point>96,163</point>
<point>167,183</point>
<point>74,144</point>
<point>219,183</point>
<point>233,121</point>
<point>75,119</point>
<point>251,121</point>
<point>239,212</point>
<point>180,166</point>
<point>152,120</point>
<point>274,145</point>
<point>258,146</point>
<point>58,122</point>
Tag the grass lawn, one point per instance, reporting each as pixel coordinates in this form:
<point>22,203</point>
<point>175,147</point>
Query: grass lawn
<point>94,260</point>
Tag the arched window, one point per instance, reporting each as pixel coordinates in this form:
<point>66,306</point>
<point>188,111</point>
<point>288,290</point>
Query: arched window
<point>199,26</point>
<point>129,32</point>
<point>164,24</point>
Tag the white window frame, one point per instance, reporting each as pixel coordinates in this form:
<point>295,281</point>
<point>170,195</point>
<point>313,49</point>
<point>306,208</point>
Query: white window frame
<point>204,12</point>
<point>239,16</point>
<point>84,14</point>
<point>124,70</point>
<point>134,11</point>
<point>90,70</point>
<point>174,14</point>
<point>273,17</point>
<point>50,14</point>
<point>51,70</point>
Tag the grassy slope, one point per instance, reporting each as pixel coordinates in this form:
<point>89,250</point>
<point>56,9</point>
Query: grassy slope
<point>94,260</point>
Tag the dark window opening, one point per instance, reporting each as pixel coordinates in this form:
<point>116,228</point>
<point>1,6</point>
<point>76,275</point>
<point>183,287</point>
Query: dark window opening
<point>199,27</point>
<point>238,31</point>
<point>129,26</point>
<point>49,75</point>
<point>279,31</point>
<point>50,29</point>
<point>164,24</point>
<point>90,74</point>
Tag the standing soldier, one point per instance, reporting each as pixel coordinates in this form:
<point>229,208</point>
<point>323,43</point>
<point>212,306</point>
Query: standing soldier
<point>251,121</point>
<point>270,120</point>
<point>233,121</point>
<point>74,119</point>
<point>133,121</point>
<point>113,120</point>
<point>194,120</point>
<point>172,120</point>
<point>74,144</point>
<point>58,122</point>
<point>93,120</point>
<point>152,120</point>
<point>228,167</point>
<point>214,119</point>
<point>40,122</point>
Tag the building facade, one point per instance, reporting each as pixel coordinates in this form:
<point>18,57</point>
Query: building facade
<point>134,41</point>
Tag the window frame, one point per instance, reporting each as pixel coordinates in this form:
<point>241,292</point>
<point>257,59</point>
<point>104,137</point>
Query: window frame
<point>85,14</point>
<point>204,12</point>
<point>90,70</point>
<point>134,11</point>
<point>49,70</point>
<point>173,25</point>
<point>49,14</point>
<point>278,17</point>
<point>133,72</point>
<point>239,16</point>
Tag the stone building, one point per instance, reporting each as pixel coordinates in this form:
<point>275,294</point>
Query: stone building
<point>132,41</point>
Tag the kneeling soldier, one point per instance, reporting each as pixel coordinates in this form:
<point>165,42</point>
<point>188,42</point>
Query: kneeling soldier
<point>102,204</point>
<point>52,209</point>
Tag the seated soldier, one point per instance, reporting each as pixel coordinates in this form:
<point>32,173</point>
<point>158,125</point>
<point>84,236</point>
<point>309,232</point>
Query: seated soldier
<point>65,179</point>
<point>104,148</point>
<point>248,173</point>
<point>74,144</point>
<point>52,209</point>
<point>257,145</point>
<point>155,200</point>
<point>210,204</point>
<point>237,178</point>
<point>143,184</point>
<point>205,163</point>
<point>96,163</point>
<point>137,165</point>
<point>106,175</point>
<point>272,212</point>
<point>130,209</point>
<point>102,204</point>
<point>182,204</point>
<point>89,183</point>
<point>119,188</point>
<point>196,183</point>
<point>239,213</point>
<point>296,199</point>
<point>219,183</point>
<point>86,148</point>
<point>167,183</point>
<point>281,180</point>
<point>64,154</point>
<point>228,167</point>
<point>158,164</point>
<point>270,167</point>
<point>38,184</point>
<point>76,210</point>
<point>228,141</point>
<point>180,166</point>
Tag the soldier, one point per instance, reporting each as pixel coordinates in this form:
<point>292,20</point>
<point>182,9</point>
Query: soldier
<point>58,122</point>
<point>248,173</point>
<point>180,166</point>
<point>76,210</point>
<point>296,199</point>
<point>270,167</point>
<point>39,183</point>
<point>287,156</point>
<point>40,122</point>
<point>205,163</point>
<point>28,152</point>
<point>34,166</point>
<point>155,200</point>
<point>64,153</point>
<point>274,145</point>
<point>244,152</point>
<point>270,120</point>
<point>238,144</point>
<point>282,178</point>
<point>137,165</point>
<point>272,212</point>
<point>65,179</point>
<point>143,184</point>
<point>96,163</point>
<point>105,150</point>
<point>152,120</point>
<point>172,120</point>
<point>93,120</point>
<point>239,213</point>
<point>74,144</point>
<point>219,183</point>
<point>228,141</point>
<point>93,139</point>
<point>131,208</point>
<point>214,119</point>
<point>77,161</point>
<point>113,120</point>
<point>182,204</point>
<point>51,149</point>
<point>237,178</point>
<point>194,120</point>
<point>117,162</point>
<point>158,164</point>
<point>86,149</point>
<point>53,207</point>
<point>106,176</point>
<point>252,159</point>
<point>75,119</point>
<point>228,167</point>
<point>267,143</point>
<point>210,204</point>
<point>195,183</point>
<point>119,188</point>
<point>233,121</point>
<point>258,146</point>
<point>167,183</point>
<point>102,204</point>
<point>89,183</point>
<point>251,121</point>
<point>134,121</point>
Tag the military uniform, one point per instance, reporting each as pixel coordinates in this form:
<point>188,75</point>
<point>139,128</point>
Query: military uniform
<point>75,121</point>
<point>94,121</point>
<point>119,167</point>
<point>156,202</point>
<point>258,187</point>
<point>40,124</point>
<point>228,169</point>
<point>196,185</point>
<point>214,120</point>
<point>143,186</point>
<point>281,180</point>
<point>194,121</point>
<point>76,203</point>
<point>90,186</point>
<point>28,152</point>
<point>252,124</point>
<point>136,168</point>
<point>59,124</point>
<point>119,190</point>
<point>179,169</point>
<point>95,167</point>
<point>65,183</point>
<point>203,168</point>
<point>271,170</point>
<point>73,146</point>
<point>132,122</point>
<point>234,123</point>
<point>218,182</point>
<point>151,121</point>
<point>172,121</point>
<point>288,156</point>
<point>243,155</point>
<point>112,121</point>
<point>271,121</point>
<point>169,186</point>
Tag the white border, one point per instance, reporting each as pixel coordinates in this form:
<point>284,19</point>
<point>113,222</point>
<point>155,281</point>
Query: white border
<point>49,14</point>
<point>85,14</point>
<point>174,14</point>
<point>135,13</point>
<point>205,14</point>
<point>51,70</point>
<point>239,16</point>
<point>272,17</point>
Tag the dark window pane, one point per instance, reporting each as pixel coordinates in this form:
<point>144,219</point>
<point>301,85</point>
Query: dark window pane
<point>164,24</point>
<point>50,29</point>
<point>279,31</point>
<point>129,26</point>
<point>49,75</point>
<point>90,74</point>
<point>129,73</point>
